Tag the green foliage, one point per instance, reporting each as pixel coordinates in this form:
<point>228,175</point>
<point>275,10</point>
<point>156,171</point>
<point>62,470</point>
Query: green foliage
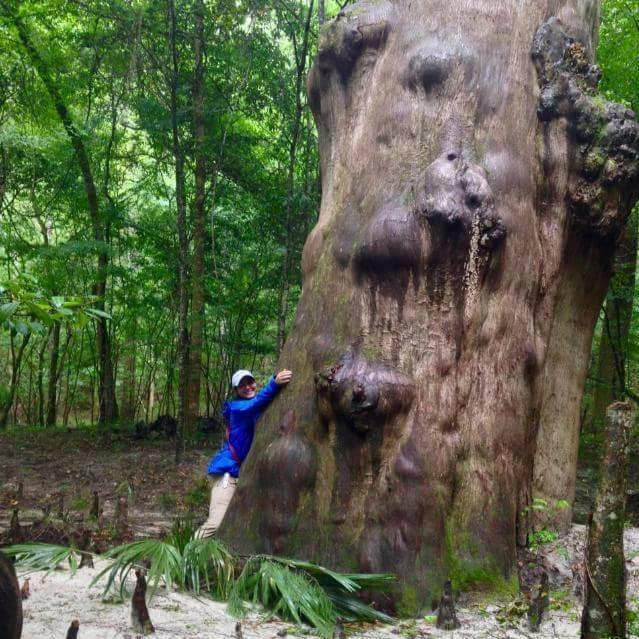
<point>632,617</point>
<point>109,63</point>
<point>408,605</point>
<point>79,504</point>
<point>24,310</point>
<point>618,52</point>
<point>34,556</point>
<point>199,495</point>
<point>541,538</point>
<point>291,595</point>
<point>300,591</point>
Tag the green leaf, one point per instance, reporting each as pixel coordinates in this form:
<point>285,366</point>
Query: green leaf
<point>96,312</point>
<point>7,310</point>
<point>34,556</point>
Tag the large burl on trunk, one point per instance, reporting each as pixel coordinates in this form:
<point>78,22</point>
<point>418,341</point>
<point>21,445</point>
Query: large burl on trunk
<point>474,186</point>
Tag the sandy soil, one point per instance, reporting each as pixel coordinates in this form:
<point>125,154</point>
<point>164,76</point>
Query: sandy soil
<point>58,597</point>
<point>75,463</point>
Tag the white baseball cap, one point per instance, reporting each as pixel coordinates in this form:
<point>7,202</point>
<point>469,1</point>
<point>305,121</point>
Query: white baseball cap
<point>238,376</point>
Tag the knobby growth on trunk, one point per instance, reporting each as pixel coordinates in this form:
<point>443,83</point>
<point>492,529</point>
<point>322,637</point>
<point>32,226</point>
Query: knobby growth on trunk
<point>474,186</point>
<point>604,613</point>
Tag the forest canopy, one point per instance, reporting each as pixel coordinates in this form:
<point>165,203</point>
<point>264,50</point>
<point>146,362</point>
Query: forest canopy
<point>201,154</point>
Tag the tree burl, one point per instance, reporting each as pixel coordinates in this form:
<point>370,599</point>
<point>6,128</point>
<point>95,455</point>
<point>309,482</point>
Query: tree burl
<point>474,185</point>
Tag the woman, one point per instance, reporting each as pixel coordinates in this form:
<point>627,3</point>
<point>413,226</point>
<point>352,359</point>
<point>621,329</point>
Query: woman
<point>240,414</point>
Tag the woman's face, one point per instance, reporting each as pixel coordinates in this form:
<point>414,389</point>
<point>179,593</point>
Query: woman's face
<point>246,388</point>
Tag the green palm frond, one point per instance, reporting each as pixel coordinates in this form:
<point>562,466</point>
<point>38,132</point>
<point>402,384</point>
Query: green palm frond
<point>296,590</point>
<point>207,561</point>
<point>291,595</point>
<point>35,556</point>
<point>341,587</point>
<point>165,560</point>
<point>352,609</point>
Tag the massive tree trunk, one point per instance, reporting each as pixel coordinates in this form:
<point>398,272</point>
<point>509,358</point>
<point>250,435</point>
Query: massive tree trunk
<point>473,189</point>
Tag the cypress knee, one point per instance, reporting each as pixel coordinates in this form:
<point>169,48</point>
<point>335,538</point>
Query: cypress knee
<point>140,619</point>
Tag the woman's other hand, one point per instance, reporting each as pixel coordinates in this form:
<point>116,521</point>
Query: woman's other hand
<point>283,377</point>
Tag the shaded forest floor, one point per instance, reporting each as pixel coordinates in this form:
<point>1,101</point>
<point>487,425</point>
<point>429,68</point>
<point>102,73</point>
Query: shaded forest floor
<point>70,465</point>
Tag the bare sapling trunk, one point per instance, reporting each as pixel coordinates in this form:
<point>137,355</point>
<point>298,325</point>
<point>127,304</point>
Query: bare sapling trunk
<point>183,244</point>
<point>198,219</point>
<point>16,362</point>
<point>129,388</point>
<point>53,376</point>
<point>121,517</point>
<point>474,186</point>
<point>613,348</point>
<point>604,613</point>
<point>539,603</point>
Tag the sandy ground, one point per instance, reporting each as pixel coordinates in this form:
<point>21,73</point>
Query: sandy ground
<point>59,597</point>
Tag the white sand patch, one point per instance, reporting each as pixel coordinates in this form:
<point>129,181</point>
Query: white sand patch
<point>59,597</point>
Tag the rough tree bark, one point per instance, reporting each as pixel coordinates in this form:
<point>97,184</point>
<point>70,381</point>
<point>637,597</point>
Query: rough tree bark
<point>474,186</point>
<point>613,348</point>
<point>604,613</point>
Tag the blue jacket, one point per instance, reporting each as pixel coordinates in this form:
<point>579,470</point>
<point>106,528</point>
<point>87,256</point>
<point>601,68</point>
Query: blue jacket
<point>241,416</point>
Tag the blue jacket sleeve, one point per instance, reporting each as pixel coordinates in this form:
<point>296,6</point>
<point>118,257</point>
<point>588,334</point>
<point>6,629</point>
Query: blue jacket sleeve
<point>256,405</point>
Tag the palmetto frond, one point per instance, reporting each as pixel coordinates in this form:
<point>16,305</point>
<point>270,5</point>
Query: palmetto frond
<point>208,562</point>
<point>164,559</point>
<point>290,594</point>
<point>36,556</point>
<point>296,590</point>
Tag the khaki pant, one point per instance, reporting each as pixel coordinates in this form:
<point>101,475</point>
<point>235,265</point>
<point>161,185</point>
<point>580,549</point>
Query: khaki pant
<point>221,493</point>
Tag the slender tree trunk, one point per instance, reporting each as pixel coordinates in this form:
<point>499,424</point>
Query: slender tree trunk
<point>4,171</point>
<point>40,378</point>
<point>16,361</point>
<point>129,395</point>
<point>472,182</point>
<point>613,347</point>
<point>183,259</point>
<point>291,224</point>
<point>53,376</point>
<point>108,404</point>
<point>604,613</point>
<point>199,218</point>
